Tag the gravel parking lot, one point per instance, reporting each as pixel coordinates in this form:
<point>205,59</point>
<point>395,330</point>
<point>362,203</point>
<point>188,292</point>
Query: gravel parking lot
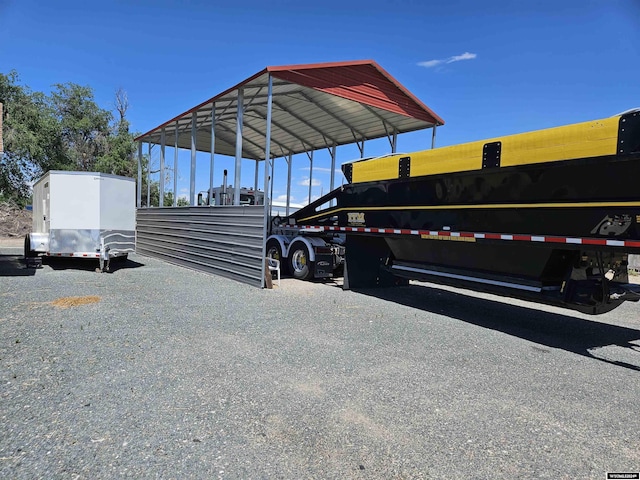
<point>156,371</point>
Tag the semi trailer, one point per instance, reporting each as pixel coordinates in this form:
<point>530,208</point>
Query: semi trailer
<point>84,215</point>
<point>550,216</point>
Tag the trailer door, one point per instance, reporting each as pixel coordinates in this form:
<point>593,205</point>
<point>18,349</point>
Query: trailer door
<point>46,203</point>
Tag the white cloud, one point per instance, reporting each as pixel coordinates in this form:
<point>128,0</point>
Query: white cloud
<point>464,56</point>
<point>430,63</point>
<point>305,182</point>
<point>454,58</point>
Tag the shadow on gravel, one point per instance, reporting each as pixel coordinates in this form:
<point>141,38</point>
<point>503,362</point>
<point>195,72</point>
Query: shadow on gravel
<point>590,338</point>
<point>14,266</point>
<point>88,265</point>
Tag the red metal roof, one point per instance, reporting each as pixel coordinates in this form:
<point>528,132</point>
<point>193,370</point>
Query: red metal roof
<point>315,106</point>
<point>363,82</point>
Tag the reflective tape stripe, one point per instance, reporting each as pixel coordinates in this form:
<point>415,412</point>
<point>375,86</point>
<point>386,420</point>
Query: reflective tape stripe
<point>434,234</point>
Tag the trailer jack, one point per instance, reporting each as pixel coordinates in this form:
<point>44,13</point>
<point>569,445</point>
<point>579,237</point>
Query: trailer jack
<point>104,256</point>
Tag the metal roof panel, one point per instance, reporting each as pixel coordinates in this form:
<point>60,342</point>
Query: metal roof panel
<point>314,106</point>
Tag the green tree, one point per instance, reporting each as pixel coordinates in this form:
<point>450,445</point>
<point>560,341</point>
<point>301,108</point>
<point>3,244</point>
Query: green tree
<point>84,126</point>
<point>66,130</point>
<point>119,156</point>
<point>32,142</point>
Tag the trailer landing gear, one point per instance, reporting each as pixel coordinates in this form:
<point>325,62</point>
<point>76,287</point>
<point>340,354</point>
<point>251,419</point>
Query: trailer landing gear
<point>104,257</point>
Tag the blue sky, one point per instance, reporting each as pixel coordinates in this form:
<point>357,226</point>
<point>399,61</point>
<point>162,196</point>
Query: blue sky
<point>488,68</point>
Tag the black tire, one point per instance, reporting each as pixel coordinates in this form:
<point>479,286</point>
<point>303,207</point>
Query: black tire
<point>275,251</point>
<point>299,264</point>
<point>121,258</point>
<point>28,253</point>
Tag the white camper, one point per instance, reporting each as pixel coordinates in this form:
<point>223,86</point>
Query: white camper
<point>82,215</point>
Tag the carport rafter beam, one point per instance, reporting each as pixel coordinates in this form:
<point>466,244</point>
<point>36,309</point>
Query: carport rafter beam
<point>393,138</point>
<point>284,129</point>
<point>306,123</point>
<point>230,130</point>
<point>332,115</point>
<point>385,123</point>
<point>360,145</point>
<point>253,98</point>
<point>251,127</point>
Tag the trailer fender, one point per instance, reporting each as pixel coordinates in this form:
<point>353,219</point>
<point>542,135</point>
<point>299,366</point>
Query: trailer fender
<point>282,240</point>
<point>310,242</point>
<point>38,242</point>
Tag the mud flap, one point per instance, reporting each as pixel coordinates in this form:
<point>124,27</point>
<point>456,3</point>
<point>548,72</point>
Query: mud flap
<point>324,265</point>
<point>364,263</point>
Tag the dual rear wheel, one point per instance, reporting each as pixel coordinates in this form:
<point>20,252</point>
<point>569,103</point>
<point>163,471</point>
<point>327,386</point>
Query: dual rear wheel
<point>298,262</point>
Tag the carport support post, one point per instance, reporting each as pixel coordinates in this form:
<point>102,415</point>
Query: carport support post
<point>273,169</point>
<point>333,169</point>
<point>139,189</point>
<point>394,142</point>
<point>289,161</point>
<point>163,139</point>
<point>255,179</point>
<point>267,203</point>
<point>149,177</point>
<point>213,149</point>
<point>192,183</point>
<point>236,178</point>
<point>433,136</point>
<point>175,168</point>
<point>310,174</point>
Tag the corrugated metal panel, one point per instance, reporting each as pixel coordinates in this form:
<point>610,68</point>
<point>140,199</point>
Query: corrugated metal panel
<point>225,241</point>
<point>315,106</point>
<point>360,83</point>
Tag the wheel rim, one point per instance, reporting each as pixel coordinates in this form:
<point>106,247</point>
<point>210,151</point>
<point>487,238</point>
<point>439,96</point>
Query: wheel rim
<point>274,253</point>
<point>299,260</point>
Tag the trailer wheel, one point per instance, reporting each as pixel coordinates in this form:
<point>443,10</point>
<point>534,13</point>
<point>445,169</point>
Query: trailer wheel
<point>299,263</point>
<point>28,253</point>
<point>120,258</point>
<point>275,251</point>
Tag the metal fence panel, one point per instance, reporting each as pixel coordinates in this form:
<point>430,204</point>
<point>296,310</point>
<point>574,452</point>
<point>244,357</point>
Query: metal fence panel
<point>223,240</point>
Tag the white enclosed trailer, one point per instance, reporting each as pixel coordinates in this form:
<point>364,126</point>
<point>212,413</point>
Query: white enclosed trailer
<point>83,215</point>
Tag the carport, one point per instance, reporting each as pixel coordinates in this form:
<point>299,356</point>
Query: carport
<point>280,111</point>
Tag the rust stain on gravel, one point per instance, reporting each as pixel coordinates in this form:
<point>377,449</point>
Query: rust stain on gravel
<point>66,302</point>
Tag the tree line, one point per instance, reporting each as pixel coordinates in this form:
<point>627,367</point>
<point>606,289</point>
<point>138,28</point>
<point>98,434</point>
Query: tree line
<point>63,130</point>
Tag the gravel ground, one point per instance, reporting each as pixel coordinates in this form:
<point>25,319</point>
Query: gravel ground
<point>169,373</point>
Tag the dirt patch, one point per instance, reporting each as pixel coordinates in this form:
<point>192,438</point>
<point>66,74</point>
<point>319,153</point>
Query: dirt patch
<point>66,302</point>
<point>14,221</point>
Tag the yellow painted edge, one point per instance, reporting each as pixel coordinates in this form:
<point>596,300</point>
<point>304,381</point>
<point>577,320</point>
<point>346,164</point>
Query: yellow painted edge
<point>581,140</point>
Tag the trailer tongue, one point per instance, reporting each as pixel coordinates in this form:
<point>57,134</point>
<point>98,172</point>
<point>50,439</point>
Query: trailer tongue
<point>549,216</point>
